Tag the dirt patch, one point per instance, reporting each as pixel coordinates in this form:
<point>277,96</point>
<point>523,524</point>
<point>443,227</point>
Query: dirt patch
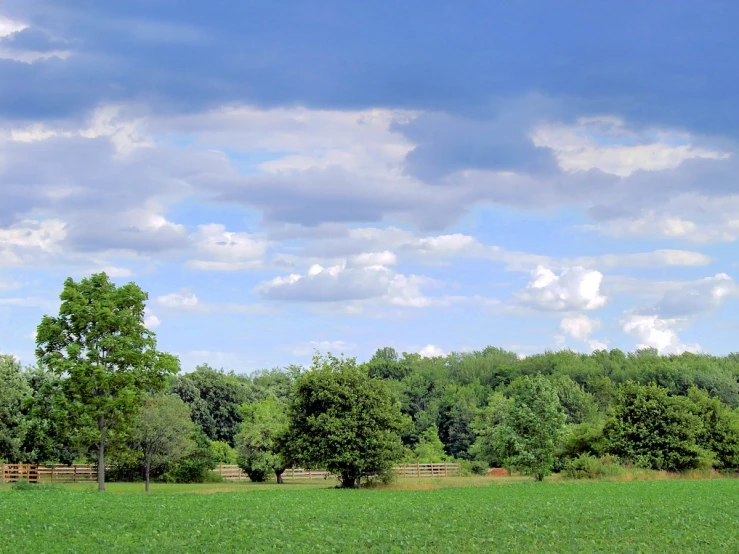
<point>498,472</point>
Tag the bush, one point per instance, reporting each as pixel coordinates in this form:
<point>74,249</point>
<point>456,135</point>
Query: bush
<point>474,467</point>
<point>587,466</point>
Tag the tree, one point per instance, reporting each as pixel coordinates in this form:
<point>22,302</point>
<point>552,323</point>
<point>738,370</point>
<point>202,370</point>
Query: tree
<point>105,355</point>
<point>720,430</point>
<point>651,429</point>
<point>344,421</point>
<point>162,432</point>
<point>256,444</point>
<point>485,427</point>
<point>429,449</point>
<point>215,398</point>
<point>530,434</point>
<point>14,391</point>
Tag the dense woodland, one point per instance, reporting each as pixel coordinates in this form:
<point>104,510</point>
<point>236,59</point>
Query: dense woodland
<point>555,411</point>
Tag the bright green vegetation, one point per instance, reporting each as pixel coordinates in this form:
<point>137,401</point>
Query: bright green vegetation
<point>646,516</point>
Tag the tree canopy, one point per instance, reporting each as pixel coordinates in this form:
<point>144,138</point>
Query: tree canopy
<point>107,357</point>
<point>344,421</point>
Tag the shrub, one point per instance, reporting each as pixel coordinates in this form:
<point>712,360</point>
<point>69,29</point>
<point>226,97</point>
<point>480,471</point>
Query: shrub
<point>587,466</point>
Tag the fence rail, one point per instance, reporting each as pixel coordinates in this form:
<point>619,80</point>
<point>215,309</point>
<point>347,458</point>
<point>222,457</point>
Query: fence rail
<point>81,473</point>
<point>234,473</point>
<point>33,473</point>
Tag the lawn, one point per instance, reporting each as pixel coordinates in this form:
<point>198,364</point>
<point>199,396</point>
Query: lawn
<point>643,516</point>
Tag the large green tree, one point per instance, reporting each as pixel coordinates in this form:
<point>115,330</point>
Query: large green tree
<point>652,429</point>
<point>215,399</point>
<point>256,444</point>
<point>14,391</point>
<point>531,432</point>
<point>161,432</point>
<point>344,421</point>
<point>105,355</point>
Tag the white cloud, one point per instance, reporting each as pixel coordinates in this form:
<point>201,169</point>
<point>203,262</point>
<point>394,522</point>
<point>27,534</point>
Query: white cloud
<point>431,351</point>
<point>579,327</point>
<point>606,143</point>
<point>651,331</point>
<point>370,259</point>
<point>574,289</point>
<point>8,26</point>
<point>30,240</point>
<point>697,296</point>
<point>182,299</point>
<point>152,322</point>
<point>222,250</point>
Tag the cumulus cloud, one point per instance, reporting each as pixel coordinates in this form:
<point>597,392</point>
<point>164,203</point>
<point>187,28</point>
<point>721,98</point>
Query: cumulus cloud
<point>181,299</point>
<point>152,322</point>
<point>349,284</point>
<point>607,144</point>
<point>222,250</point>
<point>31,241</point>
<point>651,331</point>
<point>574,289</point>
<point>579,327</point>
<point>431,351</point>
<point>697,296</point>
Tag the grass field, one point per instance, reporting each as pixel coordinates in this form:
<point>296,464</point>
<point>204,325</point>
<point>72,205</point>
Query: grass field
<point>643,516</point>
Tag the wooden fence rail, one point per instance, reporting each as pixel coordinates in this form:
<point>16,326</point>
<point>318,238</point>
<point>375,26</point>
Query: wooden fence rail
<point>33,473</point>
<point>88,473</point>
<point>234,473</point>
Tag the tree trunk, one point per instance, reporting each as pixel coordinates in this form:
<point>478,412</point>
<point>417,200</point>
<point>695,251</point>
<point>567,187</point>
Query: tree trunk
<point>278,474</point>
<point>101,455</point>
<point>349,480</point>
<point>148,471</point>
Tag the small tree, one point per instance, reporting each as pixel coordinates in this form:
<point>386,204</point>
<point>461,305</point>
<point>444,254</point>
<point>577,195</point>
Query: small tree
<point>530,434</point>
<point>256,444</point>
<point>430,449</point>
<point>162,432</point>
<point>105,355</point>
<point>344,421</point>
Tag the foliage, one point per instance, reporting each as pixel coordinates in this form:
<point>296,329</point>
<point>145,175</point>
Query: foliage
<point>646,516</point>
<point>652,429</point>
<point>195,467</point>
<point>256,444</point>
<point>14,391</point>
<point>530,433</point>
<point>162,432</point>
<point>587,466</point>
<point>485,425</point>
<point>215,399</point>
<point>105,355</point>
<point>344,421</point>
<point>223,453</point>
<point>720,430</point>
<point>429,449</point>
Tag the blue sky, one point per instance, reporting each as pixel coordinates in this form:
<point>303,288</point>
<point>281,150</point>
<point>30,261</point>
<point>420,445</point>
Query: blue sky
<point>339,175</point>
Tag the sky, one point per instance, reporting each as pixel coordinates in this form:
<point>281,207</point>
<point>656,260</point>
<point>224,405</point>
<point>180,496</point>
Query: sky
<point>336,175</point>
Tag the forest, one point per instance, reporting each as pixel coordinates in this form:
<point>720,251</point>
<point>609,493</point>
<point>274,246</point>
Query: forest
<point>102,392</point>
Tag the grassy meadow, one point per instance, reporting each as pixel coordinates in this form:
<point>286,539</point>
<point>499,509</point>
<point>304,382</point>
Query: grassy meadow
<point>434,515</point>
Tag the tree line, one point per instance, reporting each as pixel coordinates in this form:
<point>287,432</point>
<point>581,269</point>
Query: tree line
<point>102,392</point>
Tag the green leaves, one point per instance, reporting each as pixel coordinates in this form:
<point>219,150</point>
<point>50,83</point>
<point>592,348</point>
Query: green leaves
<point>343,420</point>
<point>531,431</point>
<point>105,356</point>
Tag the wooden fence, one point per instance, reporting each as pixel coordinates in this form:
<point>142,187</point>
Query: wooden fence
<point>233,473</point>
<point>88,473</point>
<point>49,474</point>
<point>428,470</point>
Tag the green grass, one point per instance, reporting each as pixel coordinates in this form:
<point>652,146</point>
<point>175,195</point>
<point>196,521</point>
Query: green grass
<point>643,516</point>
